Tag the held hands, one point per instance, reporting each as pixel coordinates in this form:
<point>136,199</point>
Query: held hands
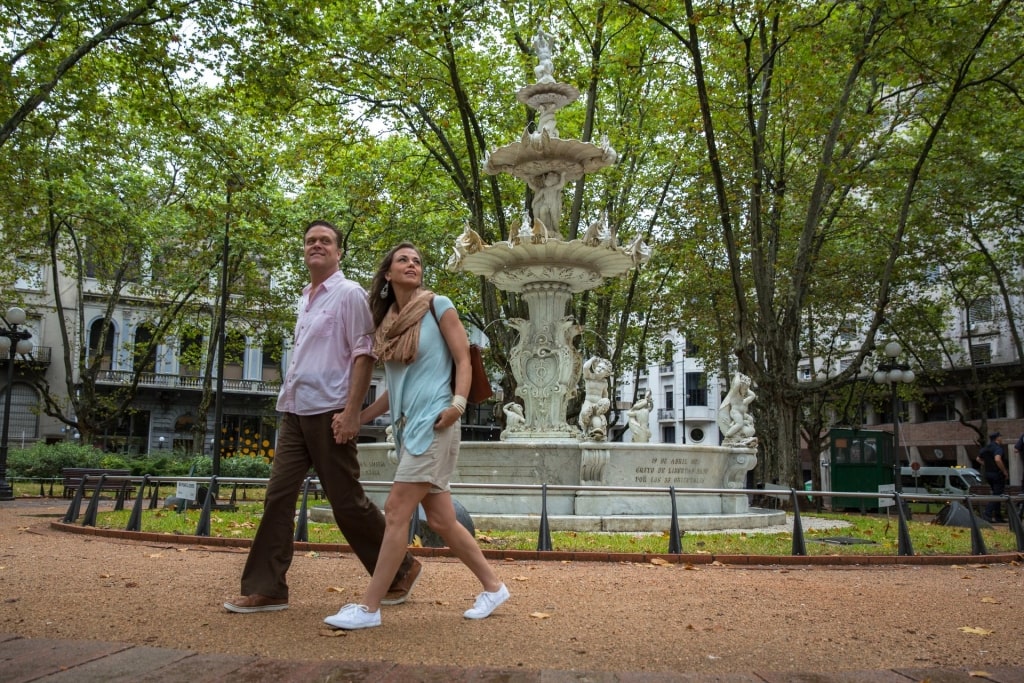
<point>345,426</point>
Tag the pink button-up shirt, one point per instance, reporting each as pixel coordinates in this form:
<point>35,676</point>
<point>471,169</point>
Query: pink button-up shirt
<point>333,328</point>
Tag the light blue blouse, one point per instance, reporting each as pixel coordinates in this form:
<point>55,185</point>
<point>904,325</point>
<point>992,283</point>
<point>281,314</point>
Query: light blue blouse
<point>420,391</point>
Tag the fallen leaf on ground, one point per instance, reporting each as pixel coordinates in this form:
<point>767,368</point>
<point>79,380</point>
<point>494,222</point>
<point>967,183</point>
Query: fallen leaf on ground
<point>332,632</point>
<point>335,589</point>
<point>312,553</point>
<point>520,578</point>
<point>154,555</point>
<point>660,561</point>
<point>976,630</point>
<point>979,674</point>
<point>991,601</point>
<point>540,615</point>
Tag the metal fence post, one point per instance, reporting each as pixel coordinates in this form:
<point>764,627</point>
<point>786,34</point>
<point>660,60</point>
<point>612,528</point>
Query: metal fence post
<point>302,524</point>
<point>544,535</point>
<point>799,547</point>
<point>675,545</point>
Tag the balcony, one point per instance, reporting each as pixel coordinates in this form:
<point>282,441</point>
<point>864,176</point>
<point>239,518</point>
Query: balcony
<point>39,357</point>
<point>665,369</point>
<point>161,381</point>
<point>666,414</point>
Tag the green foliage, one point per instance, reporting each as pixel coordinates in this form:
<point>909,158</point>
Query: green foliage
<point>47,460</point>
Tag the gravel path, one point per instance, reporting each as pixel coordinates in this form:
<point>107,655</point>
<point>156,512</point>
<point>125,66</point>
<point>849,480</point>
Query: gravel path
<point>562,615</point>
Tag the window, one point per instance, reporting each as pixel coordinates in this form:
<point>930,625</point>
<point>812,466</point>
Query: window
<point>980,311</point>
<point>668,434</point>
<point>23,423</point>
<point>981,354</point>
<point>670,398</point>
<point>96,339</point>
<point>143,361</point>
<point>940,409</point>
<point>696,389</point>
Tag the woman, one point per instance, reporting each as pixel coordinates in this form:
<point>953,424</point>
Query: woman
<point>417,336</point>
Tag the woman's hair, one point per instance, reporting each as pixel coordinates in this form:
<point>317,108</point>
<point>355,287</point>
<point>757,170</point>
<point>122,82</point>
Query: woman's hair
<point>379,305</point>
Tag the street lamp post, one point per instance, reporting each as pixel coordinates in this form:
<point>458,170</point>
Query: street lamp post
<point>12,342</point>
<point>893,373</point>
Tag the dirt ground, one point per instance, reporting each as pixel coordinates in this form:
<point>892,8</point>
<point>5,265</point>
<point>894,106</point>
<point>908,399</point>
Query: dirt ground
<point>599,616</point>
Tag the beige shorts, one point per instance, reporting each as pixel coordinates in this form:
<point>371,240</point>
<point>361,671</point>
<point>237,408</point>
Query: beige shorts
<point>435,465</point>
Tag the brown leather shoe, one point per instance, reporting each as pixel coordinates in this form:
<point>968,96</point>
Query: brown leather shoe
<point>400,589</point>
<point>256,603</point>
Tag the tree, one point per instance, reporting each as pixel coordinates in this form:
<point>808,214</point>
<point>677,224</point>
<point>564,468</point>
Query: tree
<point>800,166</point>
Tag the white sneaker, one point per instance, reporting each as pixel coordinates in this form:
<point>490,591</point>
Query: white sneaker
<point>352,617</point>
<point>487,603</point>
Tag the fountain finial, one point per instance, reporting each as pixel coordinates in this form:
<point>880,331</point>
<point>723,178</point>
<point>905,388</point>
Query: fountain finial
<point>544,71</point>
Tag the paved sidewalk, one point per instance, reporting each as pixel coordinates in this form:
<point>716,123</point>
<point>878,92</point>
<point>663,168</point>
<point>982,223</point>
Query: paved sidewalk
<point>59,661</point>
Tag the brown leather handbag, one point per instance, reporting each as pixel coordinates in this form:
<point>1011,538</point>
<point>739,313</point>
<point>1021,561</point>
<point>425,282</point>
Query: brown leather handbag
<point>479,385</point>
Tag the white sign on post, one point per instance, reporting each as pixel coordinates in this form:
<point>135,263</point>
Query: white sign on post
<point>886,502</point>
<point>186,490</point>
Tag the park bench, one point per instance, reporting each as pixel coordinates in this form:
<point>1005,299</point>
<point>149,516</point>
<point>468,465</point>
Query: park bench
<point>73,477</point>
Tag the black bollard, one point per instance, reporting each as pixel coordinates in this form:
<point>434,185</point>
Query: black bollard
<point>904,547</point>
<point>977,540</point>
<point>1015,524</point>
<point>76,503</point>
<point>302,523</point>
<point>203,528</point>
<point>675,545</point>
<point>544,536</point>
<point>799,546</point>
<point>94,504</point>
<point>154,501</point>
<point>119,500</point>
<point>234,495</point>
<point>135,518</point>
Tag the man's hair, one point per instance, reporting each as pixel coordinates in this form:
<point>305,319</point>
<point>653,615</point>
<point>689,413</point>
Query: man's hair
<point>321,223</point>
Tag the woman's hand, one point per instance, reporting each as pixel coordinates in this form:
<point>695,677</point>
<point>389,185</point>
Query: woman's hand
<point>447,418</point>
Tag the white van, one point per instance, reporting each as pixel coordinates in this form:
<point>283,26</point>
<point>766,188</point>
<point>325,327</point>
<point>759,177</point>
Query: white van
<point>940,480</point>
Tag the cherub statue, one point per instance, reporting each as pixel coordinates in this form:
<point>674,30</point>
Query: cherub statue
<point>547,198</point>
<point>592,421</point>
<point>734,418</point>
<point>514,419</point>
<point>542,48</point>
<point>639,418</point>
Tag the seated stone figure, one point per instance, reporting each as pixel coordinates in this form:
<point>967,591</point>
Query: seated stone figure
<point>639,419</point>
<point>734,418</point>
<point>593,420</point>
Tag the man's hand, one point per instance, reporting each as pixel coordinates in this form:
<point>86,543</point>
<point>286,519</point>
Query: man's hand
<point>345,425</point>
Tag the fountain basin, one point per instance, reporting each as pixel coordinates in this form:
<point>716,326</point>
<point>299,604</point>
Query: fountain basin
<point>579,465</point>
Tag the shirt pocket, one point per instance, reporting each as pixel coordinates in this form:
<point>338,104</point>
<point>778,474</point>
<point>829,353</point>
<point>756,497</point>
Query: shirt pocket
<point>323,325</point>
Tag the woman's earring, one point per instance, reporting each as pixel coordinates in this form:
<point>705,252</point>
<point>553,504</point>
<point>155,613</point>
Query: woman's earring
<point>385,290</point>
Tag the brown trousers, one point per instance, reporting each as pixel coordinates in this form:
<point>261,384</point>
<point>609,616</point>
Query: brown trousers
<point>307,441</point>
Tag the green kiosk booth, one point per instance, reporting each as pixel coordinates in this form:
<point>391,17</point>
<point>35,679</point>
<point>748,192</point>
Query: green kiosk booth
<point>860,460</point>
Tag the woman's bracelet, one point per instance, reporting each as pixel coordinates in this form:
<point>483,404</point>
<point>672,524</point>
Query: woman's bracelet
<point>459,403</point>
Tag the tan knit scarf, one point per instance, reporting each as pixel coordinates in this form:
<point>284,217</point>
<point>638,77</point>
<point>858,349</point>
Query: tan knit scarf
<point>398,336</point>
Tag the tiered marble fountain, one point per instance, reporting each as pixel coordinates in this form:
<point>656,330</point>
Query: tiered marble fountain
<point>538,445</point>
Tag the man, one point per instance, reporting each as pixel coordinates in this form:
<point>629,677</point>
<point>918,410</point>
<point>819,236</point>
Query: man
<point>332,361</point>
<point>993,465</point>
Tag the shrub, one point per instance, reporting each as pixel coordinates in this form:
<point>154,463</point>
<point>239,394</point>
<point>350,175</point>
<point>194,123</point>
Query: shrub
<point>42,460</point>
